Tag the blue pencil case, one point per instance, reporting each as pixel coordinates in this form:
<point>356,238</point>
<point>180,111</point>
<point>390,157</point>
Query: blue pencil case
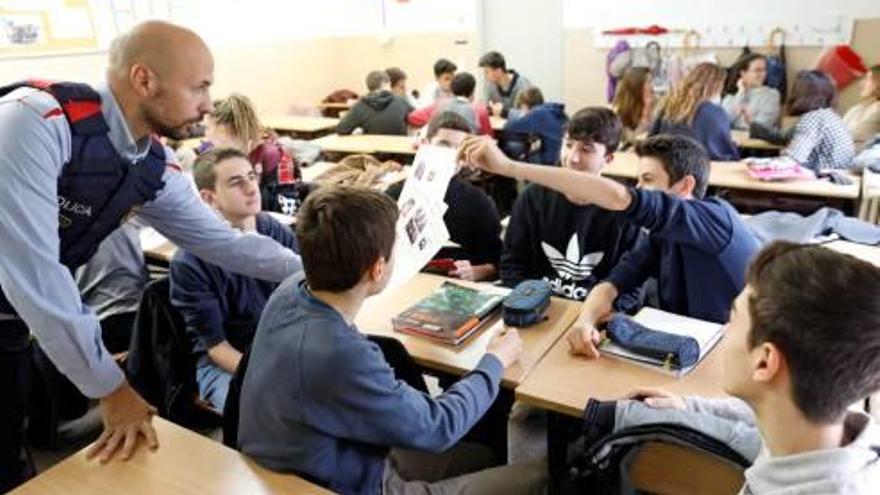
<point>676,350</point>
<point>526,304</point>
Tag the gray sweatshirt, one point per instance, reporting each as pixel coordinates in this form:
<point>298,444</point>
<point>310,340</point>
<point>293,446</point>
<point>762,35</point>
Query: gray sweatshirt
<point>494,93</point>
<point>763,104</point>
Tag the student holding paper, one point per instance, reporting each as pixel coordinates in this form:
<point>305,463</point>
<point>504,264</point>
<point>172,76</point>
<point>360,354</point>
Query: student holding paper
<point>698,247</point>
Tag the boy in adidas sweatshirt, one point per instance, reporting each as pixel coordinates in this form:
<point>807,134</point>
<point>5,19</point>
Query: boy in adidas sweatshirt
<point>698,248</point>
<point>798,354</point>
<point>549,237</point>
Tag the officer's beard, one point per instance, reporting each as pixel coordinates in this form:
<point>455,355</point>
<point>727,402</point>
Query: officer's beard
<point>172,131</point>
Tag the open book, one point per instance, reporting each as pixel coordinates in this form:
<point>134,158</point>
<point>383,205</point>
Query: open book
<point>707,334</point>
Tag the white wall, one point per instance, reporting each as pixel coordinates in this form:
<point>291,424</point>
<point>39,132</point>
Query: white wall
<point>530,35</point>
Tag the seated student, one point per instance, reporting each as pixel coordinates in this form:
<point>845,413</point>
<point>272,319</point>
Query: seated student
<point>234,123</point>
<point>438,89</point>
<point>533,117</point>
<point>501,87</point>
<point>797,356</point>
<point>397,78</point>
<point>377,112</point>
<point>472,218</point>
<point>221,308</point>
<point>319,399</point>
<point>549,237</point>
<point>820,140</point>
<point>753,101</point>
<point>698,248</point>
<point>863,118</point>
<point>691,109</point>
<point>634,104</point>
<point>462,103</point>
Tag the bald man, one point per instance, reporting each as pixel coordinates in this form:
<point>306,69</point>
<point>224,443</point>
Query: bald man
<point>74,162</point>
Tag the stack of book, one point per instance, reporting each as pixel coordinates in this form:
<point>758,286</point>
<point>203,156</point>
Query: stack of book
<point>450,315</point>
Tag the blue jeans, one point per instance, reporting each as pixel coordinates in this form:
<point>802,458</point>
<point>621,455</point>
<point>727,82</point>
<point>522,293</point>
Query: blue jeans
<point>213,382</point>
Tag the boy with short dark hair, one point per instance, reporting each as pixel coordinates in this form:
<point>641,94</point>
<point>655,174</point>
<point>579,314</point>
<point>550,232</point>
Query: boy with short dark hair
<point>397,78</point>
<point>799,354</point>
<point>571,246</point>
<point>438,89</point>
<point>502,86</point>
<point>220,308</point>
<point>698,247</point>
<point>378,112</point>
<point>462,103</point>
<point>320,398</point>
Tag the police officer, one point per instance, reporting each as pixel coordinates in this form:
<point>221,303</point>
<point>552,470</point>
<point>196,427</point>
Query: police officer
<point>75,161</point>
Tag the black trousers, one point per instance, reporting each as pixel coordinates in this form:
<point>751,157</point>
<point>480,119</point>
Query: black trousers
<point>15,385</point>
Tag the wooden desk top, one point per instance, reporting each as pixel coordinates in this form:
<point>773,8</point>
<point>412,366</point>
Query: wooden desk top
<point>497,122</point>
<point>375,318</point>
<point>295,123</point>
<point>871,254</point>
<point>742,140</point>
<point>338,106</point>
<point>368,144</point>
<point>732,175</point>
<point>563,383</point>
<point>186,463</point>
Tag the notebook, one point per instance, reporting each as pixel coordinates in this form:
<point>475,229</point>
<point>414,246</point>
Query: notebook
<point>451,314</point>
<point>707,335</point>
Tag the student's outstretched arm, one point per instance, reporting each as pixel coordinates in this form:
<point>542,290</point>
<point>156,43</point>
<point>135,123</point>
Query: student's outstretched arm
<point>482,152</point>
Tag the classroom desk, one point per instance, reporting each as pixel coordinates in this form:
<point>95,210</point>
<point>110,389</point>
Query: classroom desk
<point>159,250</point>
<point>334,109</point>
<point>186,463</point>
<point>375,318</point>
<point>732,175</point>
<point>367,144</point>
<point>742,140</point>
<point>497,122</point>
<point>563,383</point>
<point>299,126</point>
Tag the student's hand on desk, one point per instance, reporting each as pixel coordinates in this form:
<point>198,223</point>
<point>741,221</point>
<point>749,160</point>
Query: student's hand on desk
<point>506,346</point>
<point>126,417</point>
<point>584,338</point>
<point>657,398</point>
<point>483,153</point>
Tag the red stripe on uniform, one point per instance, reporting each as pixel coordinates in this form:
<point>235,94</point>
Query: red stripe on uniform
<point>55,112</point>
<point>174,166</point>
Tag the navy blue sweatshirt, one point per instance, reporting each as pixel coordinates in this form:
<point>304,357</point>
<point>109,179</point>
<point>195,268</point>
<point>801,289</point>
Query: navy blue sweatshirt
<point>218,304</point>
<point>546,121</point>
<point>322,401</point>
<point>710,127</point>
<point>698,250</point>
<point>571,246</point>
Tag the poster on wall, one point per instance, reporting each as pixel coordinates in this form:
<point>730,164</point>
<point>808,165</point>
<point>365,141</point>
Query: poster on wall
<point>38,27</point>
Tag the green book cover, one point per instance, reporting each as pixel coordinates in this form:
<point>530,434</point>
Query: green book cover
<point>449,312</point>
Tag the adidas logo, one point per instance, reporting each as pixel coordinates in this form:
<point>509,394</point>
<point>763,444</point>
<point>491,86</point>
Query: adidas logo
<point>572,266</point>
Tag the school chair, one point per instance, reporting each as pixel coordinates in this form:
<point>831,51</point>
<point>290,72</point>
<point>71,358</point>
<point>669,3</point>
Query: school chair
<point>869,209</point>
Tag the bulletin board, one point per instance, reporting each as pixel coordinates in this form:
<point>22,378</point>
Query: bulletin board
<point>38,27</point>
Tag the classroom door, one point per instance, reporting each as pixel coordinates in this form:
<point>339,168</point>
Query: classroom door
<point>530,35</point>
